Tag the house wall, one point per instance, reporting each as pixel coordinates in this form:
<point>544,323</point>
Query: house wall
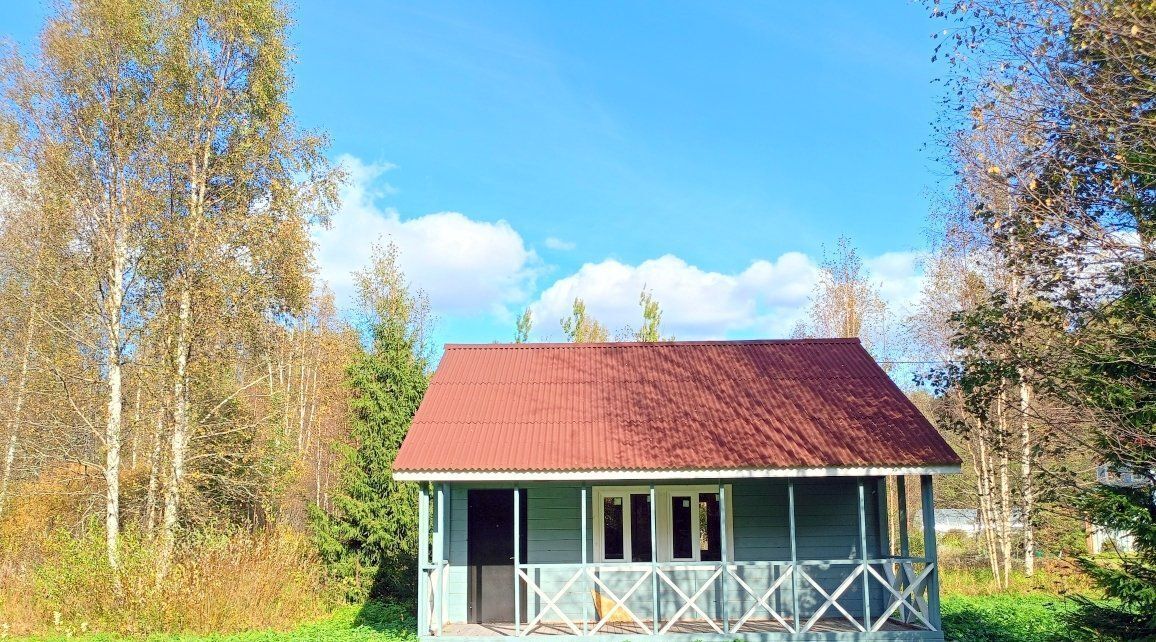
<point>827,528</point>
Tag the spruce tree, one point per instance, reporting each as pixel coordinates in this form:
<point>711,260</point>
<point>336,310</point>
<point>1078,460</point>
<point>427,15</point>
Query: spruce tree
<point>369,541</point>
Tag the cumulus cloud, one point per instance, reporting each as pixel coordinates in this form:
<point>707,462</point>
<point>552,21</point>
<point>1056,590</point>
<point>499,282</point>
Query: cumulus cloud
<point>766,297</point>
<point>466,266</point>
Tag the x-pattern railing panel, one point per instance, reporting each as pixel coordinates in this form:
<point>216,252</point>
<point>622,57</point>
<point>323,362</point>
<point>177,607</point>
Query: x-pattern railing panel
<point>916,584</point>
<point>550,602</point>
<point>692,601</point>
<point>762,601</point>
<point>831,599</point>
<point>901,581</point>
<point>619,602</point>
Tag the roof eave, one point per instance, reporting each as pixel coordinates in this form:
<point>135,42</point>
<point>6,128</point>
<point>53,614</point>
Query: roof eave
<point>615,475</point>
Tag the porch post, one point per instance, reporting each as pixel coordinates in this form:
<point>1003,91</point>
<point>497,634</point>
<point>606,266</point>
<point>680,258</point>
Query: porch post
<point>901,491</point>
<point>585,568</point>
<point>883,517</point>
<point>653,559</point>
<point>440,548</point>
<point>794,555</point>
<point>517,560</point>
<point>722,517</point>
<point>929,552</point>
<point>863,555</point>
<point>422,559</point>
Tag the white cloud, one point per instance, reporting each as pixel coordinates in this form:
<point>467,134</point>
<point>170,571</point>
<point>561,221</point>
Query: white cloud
<point>555,243</point>
<point>899,276</point>
<point>465,266</point>
<point>764,299</point>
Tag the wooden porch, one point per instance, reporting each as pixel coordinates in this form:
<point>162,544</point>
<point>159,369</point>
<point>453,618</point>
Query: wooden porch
<point>698,629</point>
<point>872,595</point>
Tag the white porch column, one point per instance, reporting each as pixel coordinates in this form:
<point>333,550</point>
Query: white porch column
<point>423,605</point>
<point>440,550</point>
<point>585,562</point>
<point>722,518</point>
<point>929,552</point>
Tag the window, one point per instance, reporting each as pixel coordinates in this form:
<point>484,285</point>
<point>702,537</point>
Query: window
<point>613,528</point>
<point>687,523</point>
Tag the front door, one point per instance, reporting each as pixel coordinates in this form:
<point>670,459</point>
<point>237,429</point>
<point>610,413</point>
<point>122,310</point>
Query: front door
<point>490,553</point>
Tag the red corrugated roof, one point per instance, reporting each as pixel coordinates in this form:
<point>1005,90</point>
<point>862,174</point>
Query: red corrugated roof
<point>677,405</point>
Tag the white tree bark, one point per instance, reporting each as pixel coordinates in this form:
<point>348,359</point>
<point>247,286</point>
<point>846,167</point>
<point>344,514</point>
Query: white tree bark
<point>1026,470</point>
<point>179,441</point>
<point>114,302</point>
<point>18,403</point>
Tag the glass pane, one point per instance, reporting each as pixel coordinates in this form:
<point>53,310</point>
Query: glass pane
<point>709,529</point>
<point>682,533</point>
<point>612,528</point>
<point>640,528</point>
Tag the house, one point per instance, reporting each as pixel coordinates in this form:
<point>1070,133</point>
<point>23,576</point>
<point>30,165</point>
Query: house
<point>710,491</point>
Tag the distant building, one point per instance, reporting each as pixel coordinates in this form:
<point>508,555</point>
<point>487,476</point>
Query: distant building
<point>1102,538</point>
<point>961,520</point>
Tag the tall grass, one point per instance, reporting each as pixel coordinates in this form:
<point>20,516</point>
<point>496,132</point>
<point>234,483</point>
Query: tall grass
<point>220,583</point>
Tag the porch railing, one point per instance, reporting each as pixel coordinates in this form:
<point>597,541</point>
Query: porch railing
<point>724,598</point>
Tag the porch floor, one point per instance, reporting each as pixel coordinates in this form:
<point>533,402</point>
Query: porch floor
<point>503,629</point>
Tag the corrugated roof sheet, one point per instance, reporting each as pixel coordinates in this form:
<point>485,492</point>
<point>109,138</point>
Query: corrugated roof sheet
<point>665,406</point>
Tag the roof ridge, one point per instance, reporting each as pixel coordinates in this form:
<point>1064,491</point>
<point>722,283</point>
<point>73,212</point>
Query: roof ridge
<point>636,344</point>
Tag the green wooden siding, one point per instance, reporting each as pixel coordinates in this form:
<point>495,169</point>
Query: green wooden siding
<point>827,529</point>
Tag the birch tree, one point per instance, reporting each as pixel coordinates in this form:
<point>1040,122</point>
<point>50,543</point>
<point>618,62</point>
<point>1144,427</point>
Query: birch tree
<point>85,109</point>
<point>245,183</point>
<point>845,302</point>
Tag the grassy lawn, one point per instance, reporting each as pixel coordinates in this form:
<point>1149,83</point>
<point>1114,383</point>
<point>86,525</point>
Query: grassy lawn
<point>1005,618</point>
<point>369,623</point>
<point>986,618</point>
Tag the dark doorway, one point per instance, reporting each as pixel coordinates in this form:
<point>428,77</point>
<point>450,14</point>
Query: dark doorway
<point>490,555</point>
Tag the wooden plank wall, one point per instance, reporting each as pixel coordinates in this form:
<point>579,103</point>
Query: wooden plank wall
<point>828,529</point>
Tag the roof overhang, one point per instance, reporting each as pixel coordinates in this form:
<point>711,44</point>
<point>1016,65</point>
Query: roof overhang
<point>613,475</point>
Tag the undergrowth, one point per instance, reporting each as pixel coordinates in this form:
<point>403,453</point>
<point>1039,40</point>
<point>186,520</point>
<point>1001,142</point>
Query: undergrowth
<point>1006,618</point>
<point>369,623</point>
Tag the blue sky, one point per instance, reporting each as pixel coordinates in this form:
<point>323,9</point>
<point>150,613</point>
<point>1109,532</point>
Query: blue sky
<point>523,153</point>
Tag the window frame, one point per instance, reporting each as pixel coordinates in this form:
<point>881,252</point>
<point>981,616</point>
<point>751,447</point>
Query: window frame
<point>664,520</point>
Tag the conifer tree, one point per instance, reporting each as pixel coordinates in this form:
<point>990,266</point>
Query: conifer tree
<point>369,540</point>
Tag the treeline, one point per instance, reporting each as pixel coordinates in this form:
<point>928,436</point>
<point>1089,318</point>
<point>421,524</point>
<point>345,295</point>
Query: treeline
<point>169,369</point>
<point>1044,308</point>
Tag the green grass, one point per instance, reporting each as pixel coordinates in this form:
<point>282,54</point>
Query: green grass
<point>987,618</point>
<point>370,623</point>
<point>1005,618</point>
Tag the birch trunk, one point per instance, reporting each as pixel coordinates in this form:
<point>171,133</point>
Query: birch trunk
<point>178,443</point>
<point>18,403</point>
<point>154,475</point>
<point>1026,470</point>
<point>1004,486</point>
<point>985,483</point>
<point>114,303</point>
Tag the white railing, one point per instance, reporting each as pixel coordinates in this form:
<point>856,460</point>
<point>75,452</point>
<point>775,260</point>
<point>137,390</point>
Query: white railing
<point>648,599</point>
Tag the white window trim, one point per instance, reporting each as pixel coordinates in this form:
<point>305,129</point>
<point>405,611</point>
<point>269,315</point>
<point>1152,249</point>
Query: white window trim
<point>664,523</point>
